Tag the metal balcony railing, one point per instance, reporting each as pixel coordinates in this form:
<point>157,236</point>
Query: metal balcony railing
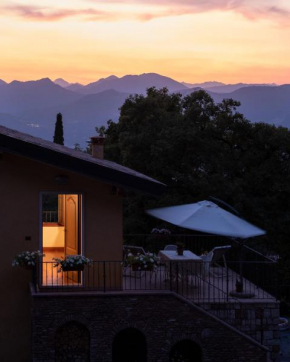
<point>50,216</point>
<point>193,281</point>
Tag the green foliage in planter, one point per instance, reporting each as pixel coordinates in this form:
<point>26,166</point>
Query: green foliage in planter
<point>71,261</point>
<point>27,258</point>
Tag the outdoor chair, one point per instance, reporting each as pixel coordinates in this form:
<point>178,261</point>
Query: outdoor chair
<point>133,250</point>
<point>166,270</point>
<point>170,247</point>
<point>213,257</point>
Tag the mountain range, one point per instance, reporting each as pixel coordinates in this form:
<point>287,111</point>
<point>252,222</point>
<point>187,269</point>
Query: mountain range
<point>32,106</point>
<point>138,84</point>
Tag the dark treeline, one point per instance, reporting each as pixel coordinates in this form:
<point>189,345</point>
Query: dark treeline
<point>199,148</point>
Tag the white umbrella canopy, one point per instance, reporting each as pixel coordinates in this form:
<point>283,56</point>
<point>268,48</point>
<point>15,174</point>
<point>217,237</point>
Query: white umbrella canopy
<point>208,217</point>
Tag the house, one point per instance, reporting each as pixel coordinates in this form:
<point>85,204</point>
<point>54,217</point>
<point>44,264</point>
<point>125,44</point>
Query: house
<point>62,201</point>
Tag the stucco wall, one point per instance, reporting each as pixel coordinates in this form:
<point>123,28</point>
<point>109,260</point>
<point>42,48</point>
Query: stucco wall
<point>21,181</point>
<point>163,319</point>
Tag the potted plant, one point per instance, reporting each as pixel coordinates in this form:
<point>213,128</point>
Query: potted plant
<point>71,263</point>
<point>27,259</point>
<point>142,262</point>
<point>160,233</point>
<point>180,248</point>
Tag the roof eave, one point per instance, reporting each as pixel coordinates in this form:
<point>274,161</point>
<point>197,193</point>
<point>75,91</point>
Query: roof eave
<point>80,166</point>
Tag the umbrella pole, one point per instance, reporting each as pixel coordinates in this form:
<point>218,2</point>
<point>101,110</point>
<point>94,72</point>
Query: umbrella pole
<point>240,283</point>
<point>241,266</point>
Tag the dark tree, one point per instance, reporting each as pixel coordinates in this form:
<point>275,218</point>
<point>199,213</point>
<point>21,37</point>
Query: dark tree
<point>199,148</point>
<point>58,131</point>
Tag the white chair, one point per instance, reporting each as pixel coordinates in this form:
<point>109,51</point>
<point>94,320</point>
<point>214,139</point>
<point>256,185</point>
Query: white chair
<point>213,257</point>
<point>170,247</point>
<point>133,250</point>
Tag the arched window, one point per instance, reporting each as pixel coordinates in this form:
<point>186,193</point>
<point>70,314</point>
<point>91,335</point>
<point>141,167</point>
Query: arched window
<point>185,351</point>
<point>72,343</point>
<point>130,345</point>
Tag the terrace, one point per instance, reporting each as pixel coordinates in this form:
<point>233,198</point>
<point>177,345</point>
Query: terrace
<point>189,279</point>
<point>254,312</point>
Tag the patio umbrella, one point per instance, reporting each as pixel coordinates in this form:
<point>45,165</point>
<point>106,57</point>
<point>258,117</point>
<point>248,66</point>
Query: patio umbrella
<point>208,217</point>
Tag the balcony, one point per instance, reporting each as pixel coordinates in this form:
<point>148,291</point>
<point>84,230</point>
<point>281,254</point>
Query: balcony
<point>193,281</point>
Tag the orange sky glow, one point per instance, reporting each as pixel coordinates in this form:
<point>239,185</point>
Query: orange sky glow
<point>189,40</point>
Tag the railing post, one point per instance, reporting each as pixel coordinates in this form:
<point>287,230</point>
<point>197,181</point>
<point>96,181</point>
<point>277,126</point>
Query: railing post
<point>177,289</point>
<point>34,277</point>
<point>227,268</point>
<point>104,275</point>
<point>276,283</point>
<point>170,274</point>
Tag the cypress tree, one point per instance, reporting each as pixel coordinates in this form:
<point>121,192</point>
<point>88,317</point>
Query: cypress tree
<point>58,130</point>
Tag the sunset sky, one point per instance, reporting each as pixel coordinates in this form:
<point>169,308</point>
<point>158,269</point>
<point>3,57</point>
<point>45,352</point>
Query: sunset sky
<point>189,40</point>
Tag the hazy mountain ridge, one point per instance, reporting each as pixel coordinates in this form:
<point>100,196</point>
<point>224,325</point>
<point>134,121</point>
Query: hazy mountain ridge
<point>75,87</point>
<point>269,104</point>
<point>219,87</point>
<point>139,83</point>
<point>262,103</point>
<point>32,106</point>
<point>132,84</point>
<point>204,84</point>
<point>80,117</point>
<point>16,97</point>
<point>128,83</point>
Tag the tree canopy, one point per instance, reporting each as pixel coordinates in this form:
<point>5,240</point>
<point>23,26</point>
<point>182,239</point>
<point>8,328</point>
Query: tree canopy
<point>201,149</point>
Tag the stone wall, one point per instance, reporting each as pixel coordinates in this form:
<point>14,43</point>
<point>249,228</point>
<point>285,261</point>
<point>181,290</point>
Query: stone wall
<point>164,319</point>
<point>259,320</point>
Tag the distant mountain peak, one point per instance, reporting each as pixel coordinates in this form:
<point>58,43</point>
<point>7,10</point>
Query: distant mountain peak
<point>208,84</point>
<point>44,80</point>
<point>37,81</point>
<point>132,84</point>
<point>60,81</point>
<point>111,77</point>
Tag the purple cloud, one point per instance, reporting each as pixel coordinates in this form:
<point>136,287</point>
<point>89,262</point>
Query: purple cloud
<point>251,9</point>
<point>37,13</point>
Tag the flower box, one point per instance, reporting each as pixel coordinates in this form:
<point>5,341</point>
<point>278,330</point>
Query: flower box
<point>141,262</point>
<point>138,267</point>
<point>27,259</point>
<point>71,263</point>
<point>73,268</point>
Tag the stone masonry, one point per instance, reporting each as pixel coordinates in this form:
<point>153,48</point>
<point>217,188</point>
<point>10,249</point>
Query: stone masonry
<point>164,319</point>
<point>259,320</point>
